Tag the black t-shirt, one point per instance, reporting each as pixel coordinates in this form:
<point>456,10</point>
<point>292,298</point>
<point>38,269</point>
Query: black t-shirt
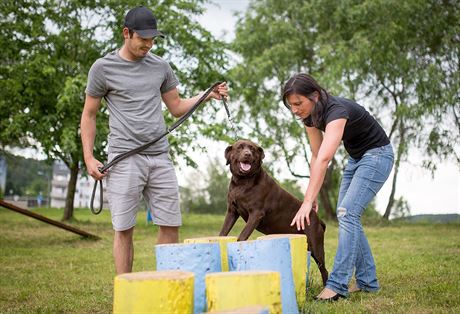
<point>362,132</point>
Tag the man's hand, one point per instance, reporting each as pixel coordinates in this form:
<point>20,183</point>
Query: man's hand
<point>219,92</point>
<point>302,214</point>
<point>92,166</point>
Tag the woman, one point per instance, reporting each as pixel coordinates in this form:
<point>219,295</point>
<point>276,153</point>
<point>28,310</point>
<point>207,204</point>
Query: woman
<point>330,120</point>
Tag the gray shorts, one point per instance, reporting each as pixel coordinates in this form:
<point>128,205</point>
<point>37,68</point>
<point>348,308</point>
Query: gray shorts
<point>151,176</point>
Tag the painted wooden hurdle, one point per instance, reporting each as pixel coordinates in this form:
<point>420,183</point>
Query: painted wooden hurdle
<point>300,258</point>
<point>199,258</point>
<point>270,255</point>
<point>236,289</point>
<point>270,272</point>
<point>166,292</point>
<point>223,241</point>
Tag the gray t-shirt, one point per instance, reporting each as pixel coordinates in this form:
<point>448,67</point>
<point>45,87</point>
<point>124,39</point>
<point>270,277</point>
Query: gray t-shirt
<point>133,91</point>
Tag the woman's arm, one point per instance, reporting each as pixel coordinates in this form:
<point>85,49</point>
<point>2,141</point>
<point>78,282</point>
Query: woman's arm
<point>315,138</point>
<point>324,152</point>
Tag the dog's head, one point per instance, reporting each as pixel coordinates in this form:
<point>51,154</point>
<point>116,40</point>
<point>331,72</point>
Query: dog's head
<point>244,158</point>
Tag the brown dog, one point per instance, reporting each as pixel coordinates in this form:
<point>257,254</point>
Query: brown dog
<point>263,204</point>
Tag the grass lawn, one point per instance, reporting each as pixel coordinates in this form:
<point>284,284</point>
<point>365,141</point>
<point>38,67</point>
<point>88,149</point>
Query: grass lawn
<point>46,269</point>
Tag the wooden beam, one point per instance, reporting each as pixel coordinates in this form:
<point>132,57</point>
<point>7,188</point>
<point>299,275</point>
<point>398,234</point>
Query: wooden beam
<point>47,220</point>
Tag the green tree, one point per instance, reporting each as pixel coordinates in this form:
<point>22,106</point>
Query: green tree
<point>26,176</point>
<point>397,58</point>
<point>276,39</point>
<point>402,56</point>
<point>43,74</point>
<point>48,49</point>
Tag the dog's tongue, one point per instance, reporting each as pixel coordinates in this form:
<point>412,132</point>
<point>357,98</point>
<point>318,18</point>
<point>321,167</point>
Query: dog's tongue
<point>244,166</point>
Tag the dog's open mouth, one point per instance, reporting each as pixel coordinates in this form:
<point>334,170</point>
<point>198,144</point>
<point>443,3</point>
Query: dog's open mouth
<point>245,167</point>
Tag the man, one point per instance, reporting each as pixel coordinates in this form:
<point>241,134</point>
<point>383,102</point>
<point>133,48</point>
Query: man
<point>133,83</point>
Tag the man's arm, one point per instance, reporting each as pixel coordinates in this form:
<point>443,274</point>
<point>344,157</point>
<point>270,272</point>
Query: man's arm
<point>178,107</point>
<point>88,134</point>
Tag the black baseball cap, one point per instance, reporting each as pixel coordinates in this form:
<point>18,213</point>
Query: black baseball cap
<point>142,21</point>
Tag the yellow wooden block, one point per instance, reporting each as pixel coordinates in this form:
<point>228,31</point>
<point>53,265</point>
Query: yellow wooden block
<point>299,253</point>
<point>236,289</point>
<point>154,292</point>
<point>222,243</point>
<point>255,309</point>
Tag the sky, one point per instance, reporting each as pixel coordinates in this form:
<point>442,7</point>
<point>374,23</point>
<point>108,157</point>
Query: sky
<point>425,194</point>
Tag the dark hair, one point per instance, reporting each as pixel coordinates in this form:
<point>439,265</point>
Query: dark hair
<point>131,33</point>
<point>305,85</point>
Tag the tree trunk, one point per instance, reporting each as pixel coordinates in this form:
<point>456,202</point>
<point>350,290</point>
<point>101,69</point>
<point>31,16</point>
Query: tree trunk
<point>71,187</point>
<point>399,153</point>
<point>326,204</point>
<point>391,199</point>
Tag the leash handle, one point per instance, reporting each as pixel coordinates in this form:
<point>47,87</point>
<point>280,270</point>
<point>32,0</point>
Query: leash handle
<point>143,147</point>
<point>98,211</point>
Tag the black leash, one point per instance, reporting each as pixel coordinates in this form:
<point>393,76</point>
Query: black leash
<point>143,147</point>
<point>230,119</point>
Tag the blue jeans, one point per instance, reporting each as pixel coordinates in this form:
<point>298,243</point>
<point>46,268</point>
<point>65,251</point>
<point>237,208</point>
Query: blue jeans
<point>362,179</point>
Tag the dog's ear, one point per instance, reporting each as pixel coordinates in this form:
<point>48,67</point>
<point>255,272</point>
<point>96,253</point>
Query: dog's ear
<point>227,153</point>
<point>261,152</point>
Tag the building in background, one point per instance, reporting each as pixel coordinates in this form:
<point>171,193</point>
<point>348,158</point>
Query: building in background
<point>84,188</point>
<point>3,170</point>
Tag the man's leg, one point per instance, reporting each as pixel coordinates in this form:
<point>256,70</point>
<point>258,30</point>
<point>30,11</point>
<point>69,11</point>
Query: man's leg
<point>123,251</point>
<point>168,235</point>
<point>162,196</point>
<point>125,182</point>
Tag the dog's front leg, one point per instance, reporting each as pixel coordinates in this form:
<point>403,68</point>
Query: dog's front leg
<point>252,223</point>
<point>230,218</point>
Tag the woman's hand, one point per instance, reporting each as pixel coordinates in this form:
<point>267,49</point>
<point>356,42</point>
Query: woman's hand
<point>303,214</point>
